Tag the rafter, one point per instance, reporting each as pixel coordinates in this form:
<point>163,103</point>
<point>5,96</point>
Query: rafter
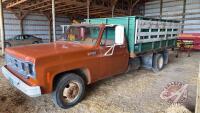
<point>97,7</point>
<point>15,3</point>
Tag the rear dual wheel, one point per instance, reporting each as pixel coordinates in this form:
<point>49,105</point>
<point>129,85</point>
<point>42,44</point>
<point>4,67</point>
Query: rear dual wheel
<point>158,62</point>
<point>69,91</point>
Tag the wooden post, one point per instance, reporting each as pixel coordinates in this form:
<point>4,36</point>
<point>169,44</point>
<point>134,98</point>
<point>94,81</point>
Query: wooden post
<point>183,18</point>
<point>88,9</point>
<point>54,20</point>
<point>20,16</point>
<point>49,18</point>
<point>50,29</point>
<point>161,8</point>
<point>130,11</point>
<point>113,9</point>
<point>21,26</point>
<point>132,5</point>
<point>113,4</point>
<point>2,27</point>
<point>198,94</point>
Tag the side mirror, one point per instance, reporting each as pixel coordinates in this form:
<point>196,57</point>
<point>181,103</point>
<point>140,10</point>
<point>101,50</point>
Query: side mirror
<point>119,35</point>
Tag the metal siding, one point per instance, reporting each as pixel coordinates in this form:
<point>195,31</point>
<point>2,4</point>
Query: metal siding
<point>60,21</point>
<point>193,20</point>
<point>35,24</point>
<point>11,25</point>
<point>173,9</point>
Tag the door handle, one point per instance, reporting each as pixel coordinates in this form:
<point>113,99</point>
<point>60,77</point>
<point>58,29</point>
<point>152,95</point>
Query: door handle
<point>122,46</point>
<point>92,53</point>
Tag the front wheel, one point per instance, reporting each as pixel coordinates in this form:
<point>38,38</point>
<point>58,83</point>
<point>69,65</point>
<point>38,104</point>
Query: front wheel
<point>69,91</point>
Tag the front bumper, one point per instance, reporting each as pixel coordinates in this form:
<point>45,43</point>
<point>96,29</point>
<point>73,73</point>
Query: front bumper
<point>32,91</point>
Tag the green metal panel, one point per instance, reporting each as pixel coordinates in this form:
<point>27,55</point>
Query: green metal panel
<point>129,23</point>
<point>164,43</point>
<point>156,45</point>
<point>146,47</point>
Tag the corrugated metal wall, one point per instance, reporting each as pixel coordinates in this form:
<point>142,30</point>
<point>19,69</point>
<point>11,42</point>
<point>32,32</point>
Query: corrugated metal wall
<point>174,9</point>
<point>35,24</point>
<point>11,23</point>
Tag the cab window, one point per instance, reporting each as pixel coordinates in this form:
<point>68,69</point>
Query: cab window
<point>108,37</point>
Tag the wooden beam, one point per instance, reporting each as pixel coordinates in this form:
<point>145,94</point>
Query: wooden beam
<point>35,4</point>
<point>15,3</point>
<point>94,5</point>
<point>72,6</point>
<point>47,8</point>
<point>2,28</point>
<point>82,10</point>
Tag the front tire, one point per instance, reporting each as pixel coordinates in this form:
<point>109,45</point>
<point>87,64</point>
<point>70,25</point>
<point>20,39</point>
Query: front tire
<point>69,91</point>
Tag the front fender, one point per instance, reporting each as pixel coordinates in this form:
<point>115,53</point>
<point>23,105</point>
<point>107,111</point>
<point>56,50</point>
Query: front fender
<point>50,74</point>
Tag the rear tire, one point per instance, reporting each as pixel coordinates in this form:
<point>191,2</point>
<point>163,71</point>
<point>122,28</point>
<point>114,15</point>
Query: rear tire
<point>69,91</point>
<point>166,57</point>
<point>158,62</point>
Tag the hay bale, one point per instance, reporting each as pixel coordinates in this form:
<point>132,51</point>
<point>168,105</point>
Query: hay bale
<point>177,108</point>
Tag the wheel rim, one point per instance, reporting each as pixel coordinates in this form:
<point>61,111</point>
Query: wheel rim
<point>71,91</point>
<point>160,62</point>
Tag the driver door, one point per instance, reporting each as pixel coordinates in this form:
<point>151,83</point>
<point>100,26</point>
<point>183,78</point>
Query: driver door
<point>113,57</point>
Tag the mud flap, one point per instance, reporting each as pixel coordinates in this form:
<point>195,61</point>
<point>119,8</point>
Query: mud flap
<point>147,61</point>
<point>166,56</point>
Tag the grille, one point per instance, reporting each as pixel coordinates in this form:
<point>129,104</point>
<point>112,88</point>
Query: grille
<point>16,65</point>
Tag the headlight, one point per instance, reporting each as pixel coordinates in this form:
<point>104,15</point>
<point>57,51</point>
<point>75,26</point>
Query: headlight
<point>29,69</point>
<point>26,69</point>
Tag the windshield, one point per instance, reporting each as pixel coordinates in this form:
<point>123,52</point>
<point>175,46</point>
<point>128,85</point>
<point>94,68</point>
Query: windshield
<point>82,34</point>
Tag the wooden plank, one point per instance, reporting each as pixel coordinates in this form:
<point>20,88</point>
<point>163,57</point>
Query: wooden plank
<point>198,94</point>
<point>2,32</point>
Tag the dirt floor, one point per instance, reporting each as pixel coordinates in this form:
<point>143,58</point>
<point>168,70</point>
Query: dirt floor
<point>136,92</point>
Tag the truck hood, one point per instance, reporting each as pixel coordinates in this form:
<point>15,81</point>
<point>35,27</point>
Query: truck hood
<point>32,52</point>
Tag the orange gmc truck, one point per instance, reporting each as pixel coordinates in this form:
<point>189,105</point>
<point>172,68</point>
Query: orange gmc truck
<point>89,52</point>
